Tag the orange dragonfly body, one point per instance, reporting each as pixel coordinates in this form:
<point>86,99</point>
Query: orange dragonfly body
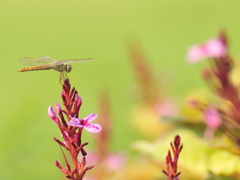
<point>47,63</point>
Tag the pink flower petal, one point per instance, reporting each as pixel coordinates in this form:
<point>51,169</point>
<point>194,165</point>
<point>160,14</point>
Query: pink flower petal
<point>94,128</point>
<point>76,122</point>
<point>212,117</point>
<point>89,118</point>
<point>195,54</point>
<point>214,48</point>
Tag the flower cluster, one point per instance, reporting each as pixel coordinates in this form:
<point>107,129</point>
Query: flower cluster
<point>171,163</point>
<point>213,48</point>
<point>218,79</point>
<point>71,131</point>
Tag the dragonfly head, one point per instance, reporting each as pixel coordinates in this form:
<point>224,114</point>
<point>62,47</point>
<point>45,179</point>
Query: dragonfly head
<point>68,67</point>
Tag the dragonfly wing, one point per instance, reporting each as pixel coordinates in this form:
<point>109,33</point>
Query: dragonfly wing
<point>46,59</point>
<point>28,61</point>
<point>74,60</point>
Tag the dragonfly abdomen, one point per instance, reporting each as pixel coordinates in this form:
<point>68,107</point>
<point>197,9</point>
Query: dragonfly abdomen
<point>35,68</point>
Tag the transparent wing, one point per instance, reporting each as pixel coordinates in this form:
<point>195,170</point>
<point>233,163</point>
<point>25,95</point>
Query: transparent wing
<point>28,61</point>
<point>74,60</point>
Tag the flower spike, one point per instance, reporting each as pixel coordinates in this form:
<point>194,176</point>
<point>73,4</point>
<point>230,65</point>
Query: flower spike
<point>66,118</point>
<point>171,163</point>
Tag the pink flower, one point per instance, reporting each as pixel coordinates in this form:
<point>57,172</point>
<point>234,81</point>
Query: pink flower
<point>213,121</point>
<point>166,108</point>
<point>213,48</point>
<point>195,54</point>
<point>85,123</point>
<point>114,162</point>
<point>212,117</point>
<point>111,162</point>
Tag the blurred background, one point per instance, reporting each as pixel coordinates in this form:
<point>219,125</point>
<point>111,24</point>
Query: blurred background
<point>103,30</point>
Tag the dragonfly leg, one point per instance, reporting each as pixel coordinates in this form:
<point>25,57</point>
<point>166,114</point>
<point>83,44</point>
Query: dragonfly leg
<point>66,76</point>
<point>61,78</point>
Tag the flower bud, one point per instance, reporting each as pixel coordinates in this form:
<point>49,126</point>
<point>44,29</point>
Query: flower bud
<point>58,107</point>
<point>60,167</point>
<point>52,115</point>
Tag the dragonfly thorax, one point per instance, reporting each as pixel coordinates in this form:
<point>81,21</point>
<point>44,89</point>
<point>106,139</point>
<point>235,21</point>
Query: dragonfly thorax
<point>63,67</point>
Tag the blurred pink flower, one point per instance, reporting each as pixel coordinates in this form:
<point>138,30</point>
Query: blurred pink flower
<point>213,121</point>
<point>166,108</point>
<point>93,157</point>
<point>195,54</point>
<point>85,123</point>
<point>112,162</point>
<point>212,117</point>
<point>213,48</point>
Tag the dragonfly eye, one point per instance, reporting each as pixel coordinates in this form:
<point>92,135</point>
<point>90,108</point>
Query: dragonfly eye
<point>68,67</point>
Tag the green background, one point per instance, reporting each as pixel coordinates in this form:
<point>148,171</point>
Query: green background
<point>99,29</point>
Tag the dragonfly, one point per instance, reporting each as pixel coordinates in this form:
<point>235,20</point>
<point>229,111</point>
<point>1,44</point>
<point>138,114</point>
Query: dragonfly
<point>47,63</point>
